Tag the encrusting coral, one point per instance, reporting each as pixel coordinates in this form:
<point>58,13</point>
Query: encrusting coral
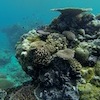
<point>63,58</point>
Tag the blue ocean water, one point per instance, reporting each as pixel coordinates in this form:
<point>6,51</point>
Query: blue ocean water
<point>29,14</point>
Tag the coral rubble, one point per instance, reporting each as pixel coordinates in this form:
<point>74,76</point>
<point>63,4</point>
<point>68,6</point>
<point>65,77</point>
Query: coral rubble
<point>63,58</point>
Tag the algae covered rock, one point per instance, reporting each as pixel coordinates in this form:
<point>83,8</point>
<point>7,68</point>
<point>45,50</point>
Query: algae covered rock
<point>24,93</point>
<point>88,74</point>
<point>89,92</point>
<point>85,88</point>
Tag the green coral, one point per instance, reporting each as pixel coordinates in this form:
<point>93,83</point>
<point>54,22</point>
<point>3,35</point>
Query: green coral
<point>97,68</point>
<point>87,74</point>
<point>81,54</point>
<point>89,92</point>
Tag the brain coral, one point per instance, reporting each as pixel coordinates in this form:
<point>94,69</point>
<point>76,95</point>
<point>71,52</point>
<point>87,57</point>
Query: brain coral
<point>38,53</point>
<point>56,40</point>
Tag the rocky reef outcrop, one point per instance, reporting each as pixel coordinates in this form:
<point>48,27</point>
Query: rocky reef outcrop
<point>63,58</point>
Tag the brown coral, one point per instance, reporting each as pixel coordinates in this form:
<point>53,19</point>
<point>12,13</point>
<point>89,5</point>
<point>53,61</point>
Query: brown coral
<point>38,53</point>
<point>56,41</point>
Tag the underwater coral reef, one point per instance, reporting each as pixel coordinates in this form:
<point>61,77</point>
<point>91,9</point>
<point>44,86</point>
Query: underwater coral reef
<point>63,58</point>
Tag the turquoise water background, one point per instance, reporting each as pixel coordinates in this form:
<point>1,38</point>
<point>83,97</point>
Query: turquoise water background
<point>30,13</point>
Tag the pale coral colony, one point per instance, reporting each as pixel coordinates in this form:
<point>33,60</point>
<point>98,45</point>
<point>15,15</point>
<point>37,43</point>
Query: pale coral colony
<point>63,58</point>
